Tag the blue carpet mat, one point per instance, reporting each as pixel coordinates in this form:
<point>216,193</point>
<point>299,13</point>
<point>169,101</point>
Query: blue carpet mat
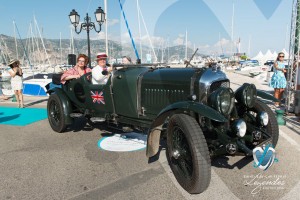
<point>21,116</point>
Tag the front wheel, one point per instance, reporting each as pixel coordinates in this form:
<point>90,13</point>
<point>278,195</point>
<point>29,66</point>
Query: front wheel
<point>56,114</point>
<point>187,153</point>
<point>272,127</point>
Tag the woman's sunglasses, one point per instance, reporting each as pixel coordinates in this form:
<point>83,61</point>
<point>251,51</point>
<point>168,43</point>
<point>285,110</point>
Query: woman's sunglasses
<point>281,56</point>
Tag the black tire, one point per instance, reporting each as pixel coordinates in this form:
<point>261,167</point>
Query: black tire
<point>56,116</point>
<point>272,127</point>
<point>192,168</point>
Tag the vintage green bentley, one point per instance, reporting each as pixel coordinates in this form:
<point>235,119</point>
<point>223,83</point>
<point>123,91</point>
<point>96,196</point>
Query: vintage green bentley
<point>194,109</point>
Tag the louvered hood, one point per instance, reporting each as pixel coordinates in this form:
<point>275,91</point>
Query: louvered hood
<point>162,87</point>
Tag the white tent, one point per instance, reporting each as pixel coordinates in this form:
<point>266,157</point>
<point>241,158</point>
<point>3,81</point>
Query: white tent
<point>269,56</point>
<point>275,54</point>
<point>259,56</point>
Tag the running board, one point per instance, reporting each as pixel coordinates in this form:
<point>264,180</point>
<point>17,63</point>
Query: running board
<point>76,115</point>
<point>97,119</point>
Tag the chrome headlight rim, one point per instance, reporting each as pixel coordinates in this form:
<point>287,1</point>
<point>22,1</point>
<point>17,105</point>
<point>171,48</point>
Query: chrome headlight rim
<point>225,100</point>
<point>246,95</point>
<point>240,128</point>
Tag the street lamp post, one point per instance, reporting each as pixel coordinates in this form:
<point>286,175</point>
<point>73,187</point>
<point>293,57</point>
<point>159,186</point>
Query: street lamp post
<point>87,25</point>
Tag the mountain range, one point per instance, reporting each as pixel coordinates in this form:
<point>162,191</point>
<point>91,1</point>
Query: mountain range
<point>36,51</point>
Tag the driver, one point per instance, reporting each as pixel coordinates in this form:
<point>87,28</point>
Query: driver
<point>100,72</point>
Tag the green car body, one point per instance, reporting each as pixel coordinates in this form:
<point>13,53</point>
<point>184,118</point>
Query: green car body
<point>150,98</point>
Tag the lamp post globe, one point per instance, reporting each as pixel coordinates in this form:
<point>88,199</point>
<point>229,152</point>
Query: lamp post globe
<point>87,25</point>
<point>100,15</point>
<point>74,17</point>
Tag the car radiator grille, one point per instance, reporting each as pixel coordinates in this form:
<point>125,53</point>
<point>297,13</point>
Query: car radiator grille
<point>214,86</point>
<point>162,96</point>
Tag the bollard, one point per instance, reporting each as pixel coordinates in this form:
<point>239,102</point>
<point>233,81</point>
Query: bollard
<point>14,98</point>
<point>279,117</point>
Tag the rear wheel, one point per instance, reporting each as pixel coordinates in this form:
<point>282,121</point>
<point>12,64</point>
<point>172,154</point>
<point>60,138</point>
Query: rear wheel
<point>187,153</point>
<point>56,114</point>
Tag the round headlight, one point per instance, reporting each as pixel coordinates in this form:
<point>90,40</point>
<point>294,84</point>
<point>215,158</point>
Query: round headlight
<point>263,118</point>
<point>222,100</point>
<point>194,97</point>
<point>240,127</point>
<point>246,95</point>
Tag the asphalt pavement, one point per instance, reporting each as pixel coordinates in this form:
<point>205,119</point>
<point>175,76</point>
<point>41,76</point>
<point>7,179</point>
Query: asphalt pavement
<point>38,163</point>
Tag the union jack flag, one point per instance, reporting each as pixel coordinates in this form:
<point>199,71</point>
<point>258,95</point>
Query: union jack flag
<point>99,98</point>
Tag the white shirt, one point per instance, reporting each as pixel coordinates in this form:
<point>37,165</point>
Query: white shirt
<point>97,76</point>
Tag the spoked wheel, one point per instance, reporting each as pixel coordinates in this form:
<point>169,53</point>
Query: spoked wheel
<point>55,114</point>
<point>272,127</point>
<point>187,153</point>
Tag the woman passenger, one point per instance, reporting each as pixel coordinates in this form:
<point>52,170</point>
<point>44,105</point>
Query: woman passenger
<point>78,70</point>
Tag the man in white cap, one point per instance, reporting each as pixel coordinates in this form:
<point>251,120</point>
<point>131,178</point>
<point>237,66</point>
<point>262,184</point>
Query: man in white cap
<point>98,73</point>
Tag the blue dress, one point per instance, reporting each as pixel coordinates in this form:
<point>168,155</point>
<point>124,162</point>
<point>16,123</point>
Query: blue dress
<point>278,79</point>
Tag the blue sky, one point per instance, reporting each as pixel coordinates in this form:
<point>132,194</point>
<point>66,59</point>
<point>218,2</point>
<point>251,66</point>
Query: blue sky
<point>208,22</point>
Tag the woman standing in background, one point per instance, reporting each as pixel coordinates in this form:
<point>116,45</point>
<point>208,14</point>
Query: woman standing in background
<point>278,80</point>
<point>16,81</point>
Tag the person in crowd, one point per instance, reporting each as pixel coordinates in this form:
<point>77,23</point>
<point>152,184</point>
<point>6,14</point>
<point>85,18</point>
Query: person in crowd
<point>78,70</point>
<point>296,68</point>
<point>1,92</point>
<point>126,60</point>
<point>3,95</point>
<point>16,74</point>
<point>296,80</point>
<point>100,72</point>
<point>278,80</point>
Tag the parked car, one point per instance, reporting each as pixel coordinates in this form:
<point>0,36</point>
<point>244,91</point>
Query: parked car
<point>270,63</point>
<point>193,108</point>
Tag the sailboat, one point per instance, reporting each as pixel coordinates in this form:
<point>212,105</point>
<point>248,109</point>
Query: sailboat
<point>35,78</point>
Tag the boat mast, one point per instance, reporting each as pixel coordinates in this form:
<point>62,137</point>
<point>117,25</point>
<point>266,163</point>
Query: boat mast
<point>32,43</point>
<point>162,52</point>
<point>106,27</point>
<point>221,45</point>
<point>168,49</point>
<point>60,48</point>
<point>249,45</point>
<point>232,21</point>
<point>42,41</point>
<point>25,52</point>
<point>142,17</point>
<point>139,21</point>
<point>32,46</point>
<point>186,44</point>
<point>37,45</point>
<point>16,44</point>
<point>27,45</point>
